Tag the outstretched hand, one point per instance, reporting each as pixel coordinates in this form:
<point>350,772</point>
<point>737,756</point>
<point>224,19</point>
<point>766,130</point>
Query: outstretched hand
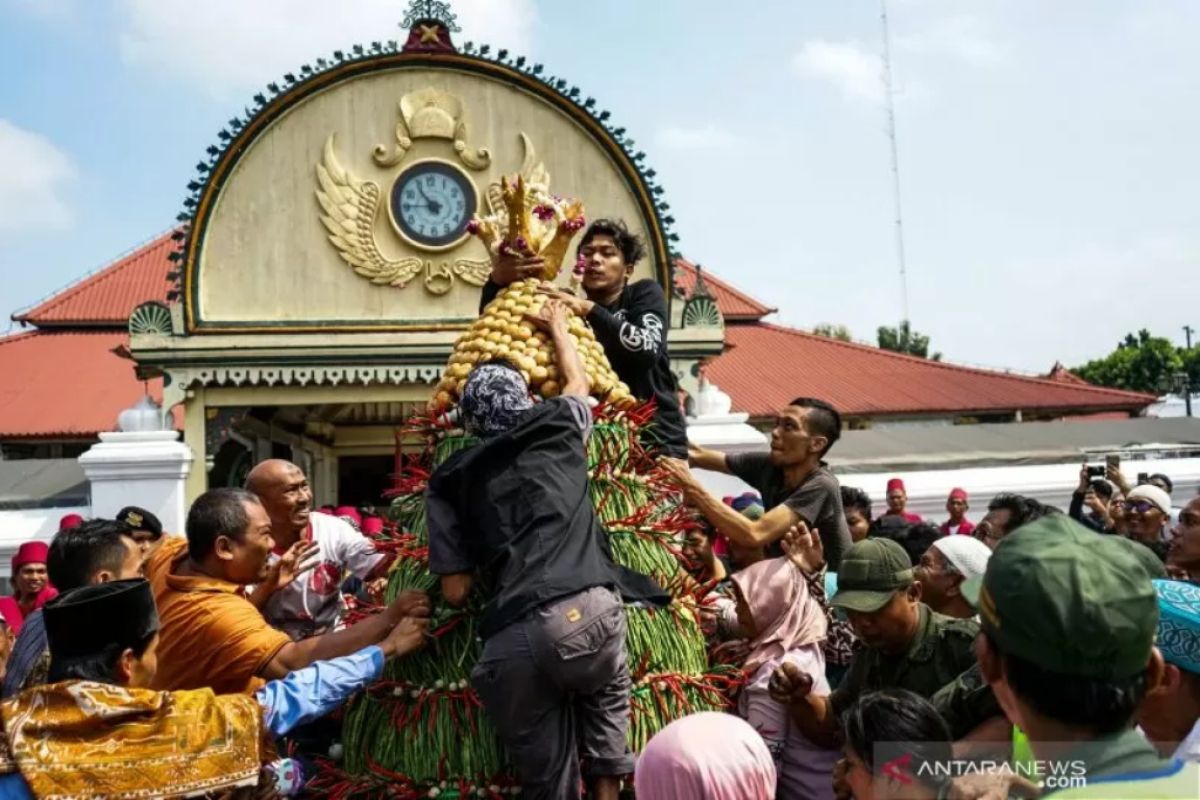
<point>411,603</point>
<point>677,470</point>
<point>789,684</point>
<point>406,636</point>
<point>298,559</point>
<point>579,305</point>
<point>804,548</point>
<point>511,268</point>
<point>550,315</point>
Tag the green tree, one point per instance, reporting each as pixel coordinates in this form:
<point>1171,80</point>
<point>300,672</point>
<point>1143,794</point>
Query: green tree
<point>1141,363</point>
<point>903,339</point>
<point>831,331</point>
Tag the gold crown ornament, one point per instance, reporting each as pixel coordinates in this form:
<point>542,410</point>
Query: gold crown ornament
<point>531,223</point>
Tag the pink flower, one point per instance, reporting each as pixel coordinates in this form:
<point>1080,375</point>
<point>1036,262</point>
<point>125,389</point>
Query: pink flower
<point>473,227</point>
<point>543,212</point>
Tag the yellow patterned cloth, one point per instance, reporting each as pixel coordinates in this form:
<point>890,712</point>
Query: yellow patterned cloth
<point>80,739</point>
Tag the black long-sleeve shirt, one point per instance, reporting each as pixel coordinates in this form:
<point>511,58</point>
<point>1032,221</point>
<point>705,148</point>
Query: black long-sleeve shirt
<point>633,333</point>
<point>1075,512</point>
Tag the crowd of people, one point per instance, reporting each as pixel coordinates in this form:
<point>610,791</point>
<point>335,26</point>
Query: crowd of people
<point>882,656</point>
<point>998,641</point>
<point>219,641</point>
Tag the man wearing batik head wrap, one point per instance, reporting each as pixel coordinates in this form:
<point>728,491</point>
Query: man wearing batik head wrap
<point>97,731</point>
<point>1170,713</point>
<point>515,509</point>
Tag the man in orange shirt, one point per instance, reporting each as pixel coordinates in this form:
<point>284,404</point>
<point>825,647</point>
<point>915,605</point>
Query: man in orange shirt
<point>211,635</point>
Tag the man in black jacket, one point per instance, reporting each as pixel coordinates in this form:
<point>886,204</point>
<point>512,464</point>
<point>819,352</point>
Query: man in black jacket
<point>513,512</point>
<point>629,319</point>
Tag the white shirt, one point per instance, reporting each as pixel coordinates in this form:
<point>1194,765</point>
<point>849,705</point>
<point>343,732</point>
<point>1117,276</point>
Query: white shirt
<point>1189,748</point>
<point>312,604</point>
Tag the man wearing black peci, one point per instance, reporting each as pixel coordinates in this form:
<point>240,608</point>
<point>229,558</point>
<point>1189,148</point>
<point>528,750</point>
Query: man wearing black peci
<point>629,319</point>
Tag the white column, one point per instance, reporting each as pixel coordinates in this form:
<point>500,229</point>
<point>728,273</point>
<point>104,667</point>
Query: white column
<point>716,427</point>
<point>139,468</point>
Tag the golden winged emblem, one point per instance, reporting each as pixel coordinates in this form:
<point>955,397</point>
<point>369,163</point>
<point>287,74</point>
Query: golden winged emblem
<point>351,207</point>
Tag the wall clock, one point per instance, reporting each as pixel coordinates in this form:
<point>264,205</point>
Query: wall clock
<point>431,203</point>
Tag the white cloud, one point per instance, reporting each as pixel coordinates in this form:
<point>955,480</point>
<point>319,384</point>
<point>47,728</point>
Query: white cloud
<point>36,173</point>
<point>1076,305</point>
<point>229,46</point>
<point>854,70</point>
<point>962,38</point>
<point>707,137</point>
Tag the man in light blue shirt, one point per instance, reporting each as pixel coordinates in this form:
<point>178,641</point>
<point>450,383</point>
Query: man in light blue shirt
<point>95,728</point>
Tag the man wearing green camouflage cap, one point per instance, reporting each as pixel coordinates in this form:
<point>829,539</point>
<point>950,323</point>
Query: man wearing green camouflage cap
<point>1067,646</point>
<point>1170,714</point>
<point>907,646</point>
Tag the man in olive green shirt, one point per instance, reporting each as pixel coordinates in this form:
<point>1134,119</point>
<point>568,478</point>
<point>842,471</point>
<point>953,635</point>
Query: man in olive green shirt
<point>907,646</point>
<point>1068,624</point>
<point>967,702</point>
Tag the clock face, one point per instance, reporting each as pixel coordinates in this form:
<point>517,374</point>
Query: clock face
<point>431,204</point>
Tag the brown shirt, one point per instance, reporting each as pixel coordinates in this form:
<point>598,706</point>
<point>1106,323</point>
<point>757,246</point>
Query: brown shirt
<point>210,635</point>
<point>817,500</point>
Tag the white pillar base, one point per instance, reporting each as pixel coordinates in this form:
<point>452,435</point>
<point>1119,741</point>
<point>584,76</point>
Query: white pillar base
<point>140,468</point>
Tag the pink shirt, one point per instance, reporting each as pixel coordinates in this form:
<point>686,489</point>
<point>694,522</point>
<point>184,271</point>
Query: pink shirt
<point>803,768</point>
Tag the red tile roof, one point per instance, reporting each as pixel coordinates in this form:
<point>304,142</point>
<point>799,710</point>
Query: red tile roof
<point>65,385</point>
<point>107,297</point>
<point>768,365</point>
<point>1063,375</point>
<point>735,306</point>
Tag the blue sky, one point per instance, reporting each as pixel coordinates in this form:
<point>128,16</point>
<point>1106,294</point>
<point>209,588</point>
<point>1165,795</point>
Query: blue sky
<point>1047,149</point>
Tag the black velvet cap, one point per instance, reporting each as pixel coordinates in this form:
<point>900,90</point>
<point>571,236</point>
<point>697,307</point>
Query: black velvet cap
<point>84,621</point>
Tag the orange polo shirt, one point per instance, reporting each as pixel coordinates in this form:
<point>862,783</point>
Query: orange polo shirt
<point>210,635</point>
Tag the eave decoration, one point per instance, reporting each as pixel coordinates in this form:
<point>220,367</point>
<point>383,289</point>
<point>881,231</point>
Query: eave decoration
<point>429,26</point>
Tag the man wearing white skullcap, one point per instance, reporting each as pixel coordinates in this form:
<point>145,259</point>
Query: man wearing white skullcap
<point>948,562</point>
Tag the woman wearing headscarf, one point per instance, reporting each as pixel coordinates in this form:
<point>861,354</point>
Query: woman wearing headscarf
<point>783,623</point>
<point>31,585</point>
<point>706,756</point>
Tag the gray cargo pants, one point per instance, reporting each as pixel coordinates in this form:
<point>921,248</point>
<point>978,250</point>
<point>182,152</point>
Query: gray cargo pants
<point>556,686</point>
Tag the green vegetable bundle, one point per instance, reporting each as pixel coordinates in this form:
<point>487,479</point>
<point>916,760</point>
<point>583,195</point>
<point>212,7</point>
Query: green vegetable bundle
<point>424,728</point>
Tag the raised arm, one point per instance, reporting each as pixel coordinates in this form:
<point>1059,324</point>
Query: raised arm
<point>738,528</point>
<point>298,655</point>
<point>321,687</point>
<point>711,460</point>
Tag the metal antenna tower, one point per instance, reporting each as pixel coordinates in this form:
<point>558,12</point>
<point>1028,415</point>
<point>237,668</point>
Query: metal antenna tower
<point>891,132</point>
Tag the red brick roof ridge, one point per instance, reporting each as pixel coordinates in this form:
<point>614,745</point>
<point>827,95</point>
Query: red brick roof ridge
<point>89,282</point>
<point>1085,386</point>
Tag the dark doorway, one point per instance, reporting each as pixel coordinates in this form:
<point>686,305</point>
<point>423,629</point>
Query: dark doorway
<point>362,480</point>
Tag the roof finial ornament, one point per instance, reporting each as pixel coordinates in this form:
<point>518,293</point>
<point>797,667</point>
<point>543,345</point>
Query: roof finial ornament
<point>700,289</point>
<point>429,24</point>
